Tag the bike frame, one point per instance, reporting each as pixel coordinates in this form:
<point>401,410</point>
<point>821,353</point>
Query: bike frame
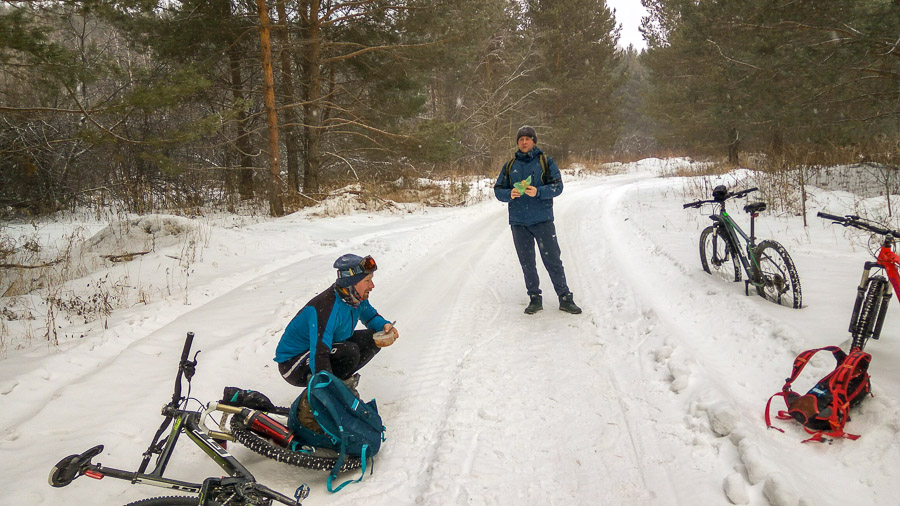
<point>187,422</point>
<point>734,233</point>
<point>889,261</point>
<point>239,484</point>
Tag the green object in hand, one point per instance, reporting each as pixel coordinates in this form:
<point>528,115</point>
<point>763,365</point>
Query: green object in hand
<point>523,185</point>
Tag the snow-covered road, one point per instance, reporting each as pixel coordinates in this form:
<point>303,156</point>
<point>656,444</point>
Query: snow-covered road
<point>654,395</point>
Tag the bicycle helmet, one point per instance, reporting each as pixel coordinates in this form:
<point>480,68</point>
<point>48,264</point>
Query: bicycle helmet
<point>720,193</point>
<point>351,269</point>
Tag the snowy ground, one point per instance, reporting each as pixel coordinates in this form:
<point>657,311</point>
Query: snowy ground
<point>654,395</point>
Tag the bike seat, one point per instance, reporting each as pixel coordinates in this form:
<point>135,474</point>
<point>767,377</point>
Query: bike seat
<point>66,470</point>
<point>755,207</point>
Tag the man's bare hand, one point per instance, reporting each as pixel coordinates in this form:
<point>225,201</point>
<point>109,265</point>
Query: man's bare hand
<point>387,336</point>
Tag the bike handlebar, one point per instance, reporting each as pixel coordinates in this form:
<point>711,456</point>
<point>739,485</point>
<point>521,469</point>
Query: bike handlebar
<point>854,221</point>
<point>729,195</point>
<point>185,353</point>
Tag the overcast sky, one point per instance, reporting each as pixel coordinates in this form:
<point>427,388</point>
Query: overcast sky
<point>628,14</point>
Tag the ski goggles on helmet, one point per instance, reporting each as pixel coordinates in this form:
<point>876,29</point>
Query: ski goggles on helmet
<point>366,265</point>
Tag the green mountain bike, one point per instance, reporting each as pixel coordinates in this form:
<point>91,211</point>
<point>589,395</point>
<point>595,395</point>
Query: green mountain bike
<point>725,249</point>
<point>238,487</point>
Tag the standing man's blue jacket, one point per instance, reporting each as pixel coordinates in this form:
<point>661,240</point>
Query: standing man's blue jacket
<point>527,210</point>
<point>325,321</point>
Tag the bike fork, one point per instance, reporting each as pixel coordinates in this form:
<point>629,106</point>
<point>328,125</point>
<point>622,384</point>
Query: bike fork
<point>882,312</point>
<point>860,295</point>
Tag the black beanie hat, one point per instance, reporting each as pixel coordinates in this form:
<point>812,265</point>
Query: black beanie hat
<point>526,131</point>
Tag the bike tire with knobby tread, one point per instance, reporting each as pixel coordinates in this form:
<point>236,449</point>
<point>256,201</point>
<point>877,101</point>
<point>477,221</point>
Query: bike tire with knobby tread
<point>868,313</point>
<point>264,447</point>
<point>712,239</point>
<point>174,500</point>
<point>782,283</point>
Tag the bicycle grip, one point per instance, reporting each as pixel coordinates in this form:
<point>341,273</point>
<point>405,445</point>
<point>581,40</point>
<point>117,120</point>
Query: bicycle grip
<point>185,354</point>
<point>832,217</point>
<point>186,351</point>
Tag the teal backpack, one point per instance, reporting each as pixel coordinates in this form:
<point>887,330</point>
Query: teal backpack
<point>351,427</point>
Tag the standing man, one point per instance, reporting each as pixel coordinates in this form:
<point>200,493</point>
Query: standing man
<point>323,335</point>
<point>531,217</point>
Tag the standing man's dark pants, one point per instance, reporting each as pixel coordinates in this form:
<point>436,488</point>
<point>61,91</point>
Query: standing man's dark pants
<point>544,234</point>
<point>346,358</point>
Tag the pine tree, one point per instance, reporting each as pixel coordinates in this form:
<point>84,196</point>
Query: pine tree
<point>579,64</point>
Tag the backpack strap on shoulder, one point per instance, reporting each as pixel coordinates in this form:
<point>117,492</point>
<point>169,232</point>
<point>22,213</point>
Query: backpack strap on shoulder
<point>507,167</point>
<point>545,177</point>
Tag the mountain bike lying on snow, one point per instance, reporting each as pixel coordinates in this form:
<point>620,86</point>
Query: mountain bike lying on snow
<point>873,294</point>
<point>768,266</point>
<point>239,487</point>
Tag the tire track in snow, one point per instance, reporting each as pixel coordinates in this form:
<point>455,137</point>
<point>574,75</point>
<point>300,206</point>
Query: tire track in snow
<point>647,292</point>
<point>680,353</point>
<point>482,354</point>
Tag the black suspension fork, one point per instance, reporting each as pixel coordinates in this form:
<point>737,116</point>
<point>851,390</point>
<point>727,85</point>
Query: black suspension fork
<point>886,297</point>
<point>882,312</point>
<point>860,295</point>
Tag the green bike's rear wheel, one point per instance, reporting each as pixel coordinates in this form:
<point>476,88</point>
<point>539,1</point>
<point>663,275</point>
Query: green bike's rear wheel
<point>716,255</point>
<point>778,280</point>
<point>308,457</point>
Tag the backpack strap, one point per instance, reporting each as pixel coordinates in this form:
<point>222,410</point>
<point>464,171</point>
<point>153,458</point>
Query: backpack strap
<point>786,392</point>
<point>847,367</point>
<point>546,176</point>
<point>854,364</point>
<point>339,437</point>
<point>363,460</point>
<point>545,172</point>
<point>804,358</point>
<point>506,168</point>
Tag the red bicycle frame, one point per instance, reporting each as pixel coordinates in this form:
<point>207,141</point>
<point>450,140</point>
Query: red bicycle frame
<point>889,260</point>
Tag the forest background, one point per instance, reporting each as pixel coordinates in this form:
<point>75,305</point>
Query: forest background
<point>144,105</point>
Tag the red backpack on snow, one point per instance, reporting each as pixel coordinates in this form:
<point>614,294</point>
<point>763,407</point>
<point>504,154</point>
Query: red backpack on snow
<point>825,409</point>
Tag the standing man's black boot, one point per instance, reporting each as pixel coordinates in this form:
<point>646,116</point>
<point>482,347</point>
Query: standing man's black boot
<point>567,304</point>
<point>535,305</point>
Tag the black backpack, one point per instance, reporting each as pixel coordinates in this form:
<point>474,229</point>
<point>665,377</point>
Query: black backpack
<point>546,176</point>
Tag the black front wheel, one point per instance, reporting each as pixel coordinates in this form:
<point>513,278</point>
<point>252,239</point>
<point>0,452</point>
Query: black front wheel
<point>717,256</point>
<point>175,500</point>
<point>777,278</point>
<point>871,313</point>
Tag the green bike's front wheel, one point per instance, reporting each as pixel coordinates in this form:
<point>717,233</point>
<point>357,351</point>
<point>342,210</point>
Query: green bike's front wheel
<point>778,280</point>
<point>179,500</point>
<point>716,255</point>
